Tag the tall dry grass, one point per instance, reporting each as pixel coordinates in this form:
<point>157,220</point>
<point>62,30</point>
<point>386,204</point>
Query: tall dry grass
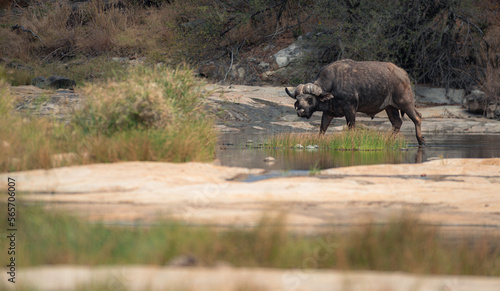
<point>146,115</point>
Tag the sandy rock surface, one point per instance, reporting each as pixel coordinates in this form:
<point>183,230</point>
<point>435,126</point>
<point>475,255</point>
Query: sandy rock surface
<point>59,278</point>
<point>455,193</point>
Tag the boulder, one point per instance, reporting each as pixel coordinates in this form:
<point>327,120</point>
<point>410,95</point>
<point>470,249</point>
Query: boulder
<point>475,102</point>
<point>39,82</point>
<point>434,95</point>
<point>285,56</point>
<point>59,82</point>
<point>493,111</point>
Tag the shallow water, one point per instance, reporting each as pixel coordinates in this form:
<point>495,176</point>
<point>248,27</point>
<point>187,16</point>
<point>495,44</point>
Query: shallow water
<point>234,151</point>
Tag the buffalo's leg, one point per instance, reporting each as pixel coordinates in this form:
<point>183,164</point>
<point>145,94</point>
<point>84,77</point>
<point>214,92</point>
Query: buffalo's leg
<point>416,117</point>
<point>326,119</point>
<point>350,117</point>
<point>394,118</point>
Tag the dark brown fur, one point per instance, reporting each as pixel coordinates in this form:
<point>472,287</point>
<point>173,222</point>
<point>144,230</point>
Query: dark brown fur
<point>346,87</point>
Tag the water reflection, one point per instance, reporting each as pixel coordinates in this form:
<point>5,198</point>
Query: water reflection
<point>235,152</point>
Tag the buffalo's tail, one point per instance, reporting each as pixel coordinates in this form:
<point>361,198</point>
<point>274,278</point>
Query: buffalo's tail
<point>418,113</point>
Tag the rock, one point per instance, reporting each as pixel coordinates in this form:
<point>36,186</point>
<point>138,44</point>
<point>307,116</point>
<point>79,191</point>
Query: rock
<point>265,75</point>
<point>58,82</point>
<point>287,55</point>
<point>263,66</point>
<point>269,160</point>
<point>249,141</point>
<point>208,70</point>
<point>475,102</point>
<point>493,111</point>
<point>298,146</point>
<point>120,59</point>
<point>39,82</point>
<point>433,95</point>
<point>312,147</point>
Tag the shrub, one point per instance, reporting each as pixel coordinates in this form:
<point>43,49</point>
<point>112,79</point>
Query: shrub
<point>146,115</point>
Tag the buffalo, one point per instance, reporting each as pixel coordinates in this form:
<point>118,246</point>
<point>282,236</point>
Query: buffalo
<point>345,87</point>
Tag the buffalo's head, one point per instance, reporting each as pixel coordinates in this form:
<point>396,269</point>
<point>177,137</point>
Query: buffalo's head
<point>308,96</point>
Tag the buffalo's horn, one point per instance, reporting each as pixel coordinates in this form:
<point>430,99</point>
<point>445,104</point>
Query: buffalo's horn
<point>289,94</point>
<point>313,89</point>
<point>299,90</point>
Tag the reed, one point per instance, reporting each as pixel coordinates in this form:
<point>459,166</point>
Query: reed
<point>359,139</point>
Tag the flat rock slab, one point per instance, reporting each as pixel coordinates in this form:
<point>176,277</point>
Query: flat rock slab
<point>152,278</point>
<point>458,194</point>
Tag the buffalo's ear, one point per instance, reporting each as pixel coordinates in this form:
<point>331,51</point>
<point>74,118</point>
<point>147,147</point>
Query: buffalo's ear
<point>290,94</point>
<point>325,97</point>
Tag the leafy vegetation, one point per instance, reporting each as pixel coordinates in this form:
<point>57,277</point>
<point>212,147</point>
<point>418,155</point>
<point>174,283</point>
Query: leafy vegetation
<point>146,115</point>
<point>403,244</point>
<point>447,42</point>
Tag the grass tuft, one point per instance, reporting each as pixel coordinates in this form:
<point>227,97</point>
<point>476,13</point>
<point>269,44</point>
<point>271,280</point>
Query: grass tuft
<point>358,139</point>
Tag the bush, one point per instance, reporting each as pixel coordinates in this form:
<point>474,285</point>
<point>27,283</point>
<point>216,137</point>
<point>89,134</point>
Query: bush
<point>435,41</point>
<point>146,115</point>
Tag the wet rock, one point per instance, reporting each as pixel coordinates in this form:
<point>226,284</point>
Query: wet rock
<point>312,147</point>
<point>269,160</point>
<point>298,146</point>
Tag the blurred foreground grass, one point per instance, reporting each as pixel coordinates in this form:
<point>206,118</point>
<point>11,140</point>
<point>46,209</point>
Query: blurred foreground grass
<point>403,244</point>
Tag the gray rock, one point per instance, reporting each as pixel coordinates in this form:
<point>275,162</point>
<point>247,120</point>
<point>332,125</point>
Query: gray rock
<point>39,82</point>
<point>493,111</point>
<point>287,55</point>
<point>264,66</point>
<point>312,147</point>
<point>475,102</point>
<point>269,160</point>
<point>298,146</point>
<point>433,95</point>
<point>58,82</point>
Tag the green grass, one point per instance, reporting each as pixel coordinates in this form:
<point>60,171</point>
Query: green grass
<point>145,114</point>
<point>358,139</point>
<point>403,244</point>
